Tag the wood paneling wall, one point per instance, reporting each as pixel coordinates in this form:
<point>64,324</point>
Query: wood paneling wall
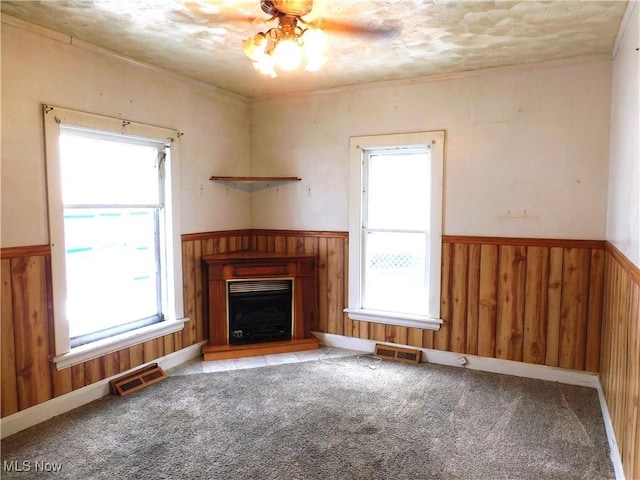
<point>28,375</point>
<point>620,356</point>
<point>194,247</point>
<point>530,300</point>
<point>330,248</point>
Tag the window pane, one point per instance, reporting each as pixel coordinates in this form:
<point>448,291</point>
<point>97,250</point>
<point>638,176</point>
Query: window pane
<point>395,277</point>
<point>111,267</point>
<point>105,172</point>
<point>398,191</point>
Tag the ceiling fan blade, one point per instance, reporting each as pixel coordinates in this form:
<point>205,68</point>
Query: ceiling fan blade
<point>372,32</point>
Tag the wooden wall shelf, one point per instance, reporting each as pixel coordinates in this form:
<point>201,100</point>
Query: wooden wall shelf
<point>255,179</point>
<point>252,184</point>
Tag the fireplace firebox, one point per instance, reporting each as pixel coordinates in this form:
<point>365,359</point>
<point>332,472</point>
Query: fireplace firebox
<point>259,310</point>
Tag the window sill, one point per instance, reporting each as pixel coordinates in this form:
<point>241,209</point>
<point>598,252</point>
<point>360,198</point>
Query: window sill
<point>100,348</point>
<point>392,318</point>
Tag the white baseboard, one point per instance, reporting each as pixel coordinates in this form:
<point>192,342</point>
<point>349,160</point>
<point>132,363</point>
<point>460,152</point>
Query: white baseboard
<point>616,459</point>
<point>44,411</point>
<point>505,367</point>
<point>58,405</point>
<point>472,362</point>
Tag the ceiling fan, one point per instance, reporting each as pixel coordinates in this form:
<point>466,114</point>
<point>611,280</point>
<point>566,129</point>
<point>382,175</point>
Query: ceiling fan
<point>294,40</point>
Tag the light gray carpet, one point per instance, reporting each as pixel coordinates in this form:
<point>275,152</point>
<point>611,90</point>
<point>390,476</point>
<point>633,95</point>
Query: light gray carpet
<point>335,419</point>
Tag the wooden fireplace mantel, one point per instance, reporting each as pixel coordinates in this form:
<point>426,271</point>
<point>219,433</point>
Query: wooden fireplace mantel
<point>245,265</point>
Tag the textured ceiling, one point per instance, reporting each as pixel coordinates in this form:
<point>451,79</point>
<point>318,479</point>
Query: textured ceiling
<point>202,38</point>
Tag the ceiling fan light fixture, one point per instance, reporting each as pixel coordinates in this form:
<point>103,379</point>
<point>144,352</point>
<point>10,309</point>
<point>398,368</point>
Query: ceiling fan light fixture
<point>288,45</point>
<point>266,65</point>
<point>315,48</point>
<point>287,54</point>
<point>255,47</point>
<point>298,8</point>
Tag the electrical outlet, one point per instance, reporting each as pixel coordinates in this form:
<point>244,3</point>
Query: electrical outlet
<point>462,360</point>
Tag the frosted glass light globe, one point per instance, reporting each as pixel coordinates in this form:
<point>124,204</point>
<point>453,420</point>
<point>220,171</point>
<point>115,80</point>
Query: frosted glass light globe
<point>287,54</point>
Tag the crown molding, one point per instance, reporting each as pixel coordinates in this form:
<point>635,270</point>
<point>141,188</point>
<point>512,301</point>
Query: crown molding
<point>438,77</point>
<point>82,45</point>
<point>624,23</point>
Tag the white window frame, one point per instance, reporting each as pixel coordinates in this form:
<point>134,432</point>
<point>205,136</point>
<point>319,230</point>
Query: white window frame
<point>54,119</point>
<point>357,145</point>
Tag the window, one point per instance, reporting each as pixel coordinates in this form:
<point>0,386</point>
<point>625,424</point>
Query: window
<point>115,250</point>
<point>395,229</point>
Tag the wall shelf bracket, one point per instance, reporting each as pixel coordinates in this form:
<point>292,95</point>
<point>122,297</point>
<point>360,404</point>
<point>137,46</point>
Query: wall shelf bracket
<point>252,184</point>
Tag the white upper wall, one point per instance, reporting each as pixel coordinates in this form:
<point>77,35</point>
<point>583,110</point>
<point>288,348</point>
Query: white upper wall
<point>43,67</point>
<point>623,216</point>
<point>531,138</point>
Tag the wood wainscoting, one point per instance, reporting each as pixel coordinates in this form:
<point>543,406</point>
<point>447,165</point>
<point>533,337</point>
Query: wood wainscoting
<point>530,300</point>
<point>620,356</point>
<point>330,249</point>
<point>28,376</point>
<point>536,301</point>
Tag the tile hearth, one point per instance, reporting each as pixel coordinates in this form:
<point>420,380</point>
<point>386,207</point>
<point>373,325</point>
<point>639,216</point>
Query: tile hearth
<point>198,366</point>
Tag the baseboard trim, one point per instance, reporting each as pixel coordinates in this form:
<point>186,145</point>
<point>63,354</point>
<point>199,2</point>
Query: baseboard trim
<point>505,367</point>
<point>616,459</point>
<point>44,411</point>
<point>64,403</point>
<point>472,362</point>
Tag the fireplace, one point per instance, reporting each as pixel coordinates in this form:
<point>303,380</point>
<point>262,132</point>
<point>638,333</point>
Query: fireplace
<point>259,310</point>
<point>259,303</point>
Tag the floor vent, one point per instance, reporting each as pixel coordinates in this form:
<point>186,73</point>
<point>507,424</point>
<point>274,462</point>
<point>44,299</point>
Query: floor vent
<point>137,380</point>
<point>388,352</point>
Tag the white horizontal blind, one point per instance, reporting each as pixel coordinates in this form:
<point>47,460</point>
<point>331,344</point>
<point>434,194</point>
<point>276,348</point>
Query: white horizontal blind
<point>109,170</point>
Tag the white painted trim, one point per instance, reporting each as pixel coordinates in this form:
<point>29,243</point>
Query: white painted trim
<point>358,146</point>
<point>64,403</point>
<point>391,318</point>
<point>473,362</point>
<point>100,348</point>
<point>56,118</point>
<point>505,367</point>
<point>611,436</point>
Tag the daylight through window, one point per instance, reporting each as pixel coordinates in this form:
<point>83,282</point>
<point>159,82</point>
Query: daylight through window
<point>113,252</point>
<point>396,229</point>
<point>114,231</point>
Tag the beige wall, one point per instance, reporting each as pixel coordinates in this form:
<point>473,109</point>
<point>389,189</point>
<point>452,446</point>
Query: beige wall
<point>623,216</point>
<point>44,68</point>
<point>532,138</point>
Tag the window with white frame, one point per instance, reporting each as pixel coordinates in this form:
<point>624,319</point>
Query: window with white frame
<point>395,228</point>
<point>114,233</point>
